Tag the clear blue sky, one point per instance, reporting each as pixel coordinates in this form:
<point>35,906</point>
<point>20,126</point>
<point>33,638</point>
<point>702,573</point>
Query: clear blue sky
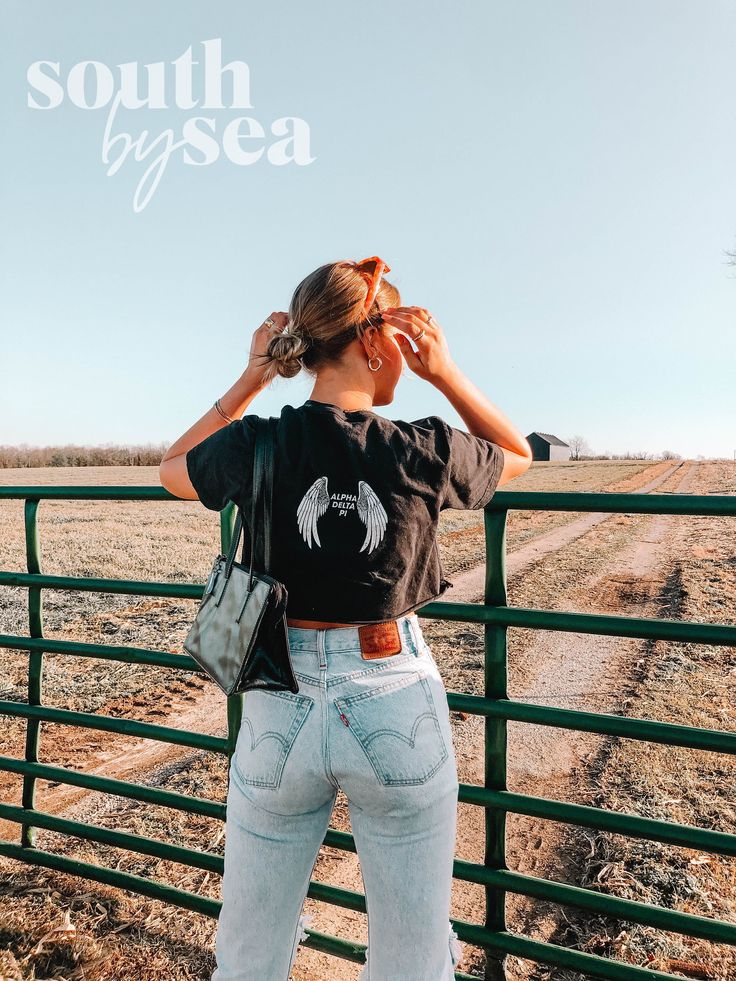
<point>555,181</point>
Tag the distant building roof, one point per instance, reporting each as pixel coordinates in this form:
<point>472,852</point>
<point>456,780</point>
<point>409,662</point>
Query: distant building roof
<point>549,438</point>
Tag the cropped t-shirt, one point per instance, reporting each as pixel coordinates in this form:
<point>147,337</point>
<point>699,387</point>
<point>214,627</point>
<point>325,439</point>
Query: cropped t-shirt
<point>356,503</point>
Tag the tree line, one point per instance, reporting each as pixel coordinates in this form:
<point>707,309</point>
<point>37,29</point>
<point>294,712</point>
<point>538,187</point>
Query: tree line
<point>151,454</point>
<point>107,455</point>
<point>580,450</point>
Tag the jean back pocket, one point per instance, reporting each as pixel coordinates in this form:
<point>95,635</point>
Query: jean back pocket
<point>397,728</point>
<point>271,721</point>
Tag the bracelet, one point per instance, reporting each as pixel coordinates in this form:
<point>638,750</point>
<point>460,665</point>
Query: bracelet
<point>222,411</point>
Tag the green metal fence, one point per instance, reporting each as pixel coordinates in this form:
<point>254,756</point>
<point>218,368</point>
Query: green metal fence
<point>495,706</point>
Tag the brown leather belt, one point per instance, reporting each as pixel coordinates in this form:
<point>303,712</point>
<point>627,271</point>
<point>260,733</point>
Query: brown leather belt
<point>376,639</point>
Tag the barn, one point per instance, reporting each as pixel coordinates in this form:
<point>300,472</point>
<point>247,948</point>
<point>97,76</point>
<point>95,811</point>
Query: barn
<point>547,447</point>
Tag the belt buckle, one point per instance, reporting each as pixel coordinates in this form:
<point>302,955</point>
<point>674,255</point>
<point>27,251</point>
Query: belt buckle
<point>379,639</point>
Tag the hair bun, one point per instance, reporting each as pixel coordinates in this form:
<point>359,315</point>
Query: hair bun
<point>326,315</point>
<point>286,348</point>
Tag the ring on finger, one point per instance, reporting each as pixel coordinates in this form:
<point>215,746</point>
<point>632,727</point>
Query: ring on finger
<point>271,323</point>
<point>420,334</point>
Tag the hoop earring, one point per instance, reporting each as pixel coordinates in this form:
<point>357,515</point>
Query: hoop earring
<point>374,358</point>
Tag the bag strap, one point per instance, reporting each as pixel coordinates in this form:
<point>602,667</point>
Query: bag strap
<point>258,476</point>
<point>264,456</point>
<point>269,446</point>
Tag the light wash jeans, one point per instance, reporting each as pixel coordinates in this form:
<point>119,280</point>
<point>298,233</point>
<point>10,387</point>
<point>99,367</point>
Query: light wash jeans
<point>380,730</point>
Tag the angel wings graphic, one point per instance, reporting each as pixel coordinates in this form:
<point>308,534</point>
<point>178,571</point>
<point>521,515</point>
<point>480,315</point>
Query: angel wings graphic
<point>316,501</point>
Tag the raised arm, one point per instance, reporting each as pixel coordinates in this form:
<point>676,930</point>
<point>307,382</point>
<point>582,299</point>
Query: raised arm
<point>486,420</point>
<point>173,469</point>
<point>433,362</point>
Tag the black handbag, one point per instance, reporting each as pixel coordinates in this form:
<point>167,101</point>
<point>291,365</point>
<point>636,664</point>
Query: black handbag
<point>240,636</point>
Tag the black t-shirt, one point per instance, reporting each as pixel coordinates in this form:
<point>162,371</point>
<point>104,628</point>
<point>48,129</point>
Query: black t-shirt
<point>356,503</point>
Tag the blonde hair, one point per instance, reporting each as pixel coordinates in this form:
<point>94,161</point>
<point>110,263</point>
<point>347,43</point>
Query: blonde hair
<point>325,316</point>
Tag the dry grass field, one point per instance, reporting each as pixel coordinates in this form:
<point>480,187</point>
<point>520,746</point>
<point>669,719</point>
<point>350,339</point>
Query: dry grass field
<point>57,926</point>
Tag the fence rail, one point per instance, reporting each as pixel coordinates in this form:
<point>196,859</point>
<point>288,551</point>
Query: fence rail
<point>494,706</point>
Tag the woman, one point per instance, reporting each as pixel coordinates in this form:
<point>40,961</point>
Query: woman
<point>356,505</point>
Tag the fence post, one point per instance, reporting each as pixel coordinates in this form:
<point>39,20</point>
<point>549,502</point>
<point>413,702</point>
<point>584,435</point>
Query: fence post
<point>35,664</point>
<point>234,702</point>
<point>495,731</point>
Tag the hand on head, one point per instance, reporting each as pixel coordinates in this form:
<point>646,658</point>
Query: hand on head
<point>432,359</point>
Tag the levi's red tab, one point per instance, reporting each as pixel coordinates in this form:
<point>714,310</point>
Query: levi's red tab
<point>379,639</point>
